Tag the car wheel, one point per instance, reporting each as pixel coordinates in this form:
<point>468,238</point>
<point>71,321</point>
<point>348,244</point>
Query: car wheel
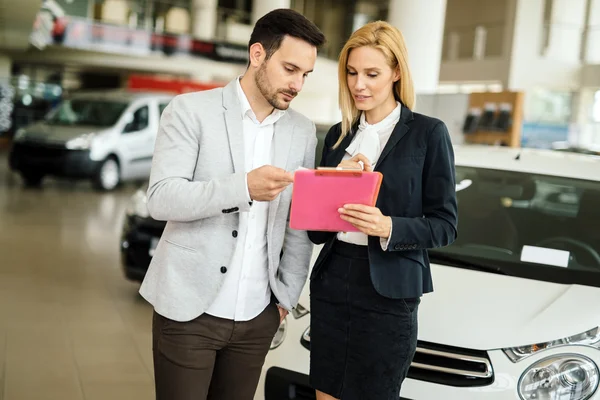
<point>32,179</point>
<point>108,176</point>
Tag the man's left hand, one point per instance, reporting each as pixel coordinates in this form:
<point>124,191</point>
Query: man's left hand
<point>282,313</point>
<point>369,220</point>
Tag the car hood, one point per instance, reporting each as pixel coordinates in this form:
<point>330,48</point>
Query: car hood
<point>482,310</point>
<point>42,132</point>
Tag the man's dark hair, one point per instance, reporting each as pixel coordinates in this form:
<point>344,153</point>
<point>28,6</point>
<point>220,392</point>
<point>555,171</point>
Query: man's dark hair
<point>275,25</point>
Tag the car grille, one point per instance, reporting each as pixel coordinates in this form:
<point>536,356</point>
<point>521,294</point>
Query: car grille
<point>43,151</point>
<point>282,384</point>
<point>445,365</point>
<point>451,366</point>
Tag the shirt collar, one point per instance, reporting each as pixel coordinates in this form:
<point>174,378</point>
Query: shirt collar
<point>247,109</point>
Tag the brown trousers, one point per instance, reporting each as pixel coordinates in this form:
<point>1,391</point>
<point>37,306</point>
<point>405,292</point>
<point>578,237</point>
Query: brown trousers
<point>211,358</point>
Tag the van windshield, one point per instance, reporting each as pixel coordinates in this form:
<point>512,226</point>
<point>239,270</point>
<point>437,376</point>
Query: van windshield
<point>527,225</point>
<point>102,113</point>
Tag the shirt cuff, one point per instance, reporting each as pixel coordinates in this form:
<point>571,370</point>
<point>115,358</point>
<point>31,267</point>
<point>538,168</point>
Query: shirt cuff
<point>386,242</point>
<point>248,191</point>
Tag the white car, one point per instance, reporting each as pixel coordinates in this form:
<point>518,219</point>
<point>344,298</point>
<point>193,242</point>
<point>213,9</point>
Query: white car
<point>107,137</point>
<point>515,308</point>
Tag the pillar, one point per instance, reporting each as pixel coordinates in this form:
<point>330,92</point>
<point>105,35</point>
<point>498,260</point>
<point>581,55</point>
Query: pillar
<point>262,7</point>
<point>422,24</point>
<point>204,19</point>
<point>5,67</point>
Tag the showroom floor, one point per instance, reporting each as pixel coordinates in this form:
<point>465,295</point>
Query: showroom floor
<point>71,326</point>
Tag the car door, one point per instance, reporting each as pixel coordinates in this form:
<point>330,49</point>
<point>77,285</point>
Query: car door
<point>137,137</point>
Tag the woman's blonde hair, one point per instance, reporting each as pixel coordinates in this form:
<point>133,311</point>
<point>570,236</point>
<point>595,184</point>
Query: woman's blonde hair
<point>390,41</point>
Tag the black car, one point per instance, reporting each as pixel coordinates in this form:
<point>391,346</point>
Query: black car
<point>140,233</point>
<point>139,237</point>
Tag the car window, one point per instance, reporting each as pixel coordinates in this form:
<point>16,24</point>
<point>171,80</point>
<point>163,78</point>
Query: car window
<point>140,120</point>
<point>161,108</point>
<point>505,215</point>
<point>102,113</point>
<point>321,133</point>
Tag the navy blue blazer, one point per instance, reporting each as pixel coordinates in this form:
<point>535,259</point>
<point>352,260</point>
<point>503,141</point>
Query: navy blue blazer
<point>419,193</point>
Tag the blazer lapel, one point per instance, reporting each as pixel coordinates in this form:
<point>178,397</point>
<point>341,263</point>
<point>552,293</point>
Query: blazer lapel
<point>233,120</point>
<point>283,136</point>
<point>339,153</point>
<point>398,133</point>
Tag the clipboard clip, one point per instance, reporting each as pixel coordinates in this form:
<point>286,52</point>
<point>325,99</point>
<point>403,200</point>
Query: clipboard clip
<point>322,171</point>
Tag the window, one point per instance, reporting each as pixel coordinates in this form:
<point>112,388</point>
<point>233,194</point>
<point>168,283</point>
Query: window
<point>501,212</point>
<point>161,108</point>
<point>92,112</point>
<point>139,121</point>
<point>596,107</point>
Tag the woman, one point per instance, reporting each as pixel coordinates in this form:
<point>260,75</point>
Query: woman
<point>366,286</point>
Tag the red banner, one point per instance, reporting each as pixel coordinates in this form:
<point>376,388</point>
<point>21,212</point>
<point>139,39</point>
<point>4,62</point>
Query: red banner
<point>144,82</point>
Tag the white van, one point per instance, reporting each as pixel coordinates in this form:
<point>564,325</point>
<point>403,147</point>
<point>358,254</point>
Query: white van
<point>107,137</point>
<point>514,313</point>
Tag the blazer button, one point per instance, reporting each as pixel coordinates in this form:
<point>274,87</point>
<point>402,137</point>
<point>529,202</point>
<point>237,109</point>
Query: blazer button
<point>234,234</point>
<point>223,270</point>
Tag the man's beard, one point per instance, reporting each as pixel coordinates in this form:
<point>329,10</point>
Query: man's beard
<point>270,94</point>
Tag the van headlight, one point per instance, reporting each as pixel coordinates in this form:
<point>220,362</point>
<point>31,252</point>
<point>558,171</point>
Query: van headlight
<point>279,335</point>
<point>19,135</point>
<point>299,311</point>
<point>565,376</point>
<point>589,338</point>
<point>82,142</point>
<point>138,205</point>
<point>306,335</point>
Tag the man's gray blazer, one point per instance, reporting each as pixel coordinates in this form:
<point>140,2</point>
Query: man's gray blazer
<point>198,185</point>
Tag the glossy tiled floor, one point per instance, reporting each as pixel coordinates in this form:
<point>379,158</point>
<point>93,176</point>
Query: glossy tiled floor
<point>71,326</point>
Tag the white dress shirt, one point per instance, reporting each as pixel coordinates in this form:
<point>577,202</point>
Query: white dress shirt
<point>246,292</point>
<point>370,141</point>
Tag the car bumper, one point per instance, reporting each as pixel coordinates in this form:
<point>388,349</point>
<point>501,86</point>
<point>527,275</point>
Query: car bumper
<point>285,373</point>
<point>138,241</point>
<point>52,160</point>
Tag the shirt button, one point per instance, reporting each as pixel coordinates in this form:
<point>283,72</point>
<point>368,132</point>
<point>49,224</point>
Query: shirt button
<point>234,234</point>
<point>223,270</point>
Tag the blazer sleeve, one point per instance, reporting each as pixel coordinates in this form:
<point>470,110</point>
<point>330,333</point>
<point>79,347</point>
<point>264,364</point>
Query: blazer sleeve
<point>438,226</point>
<point>297,248</point>
<point>320,237</point>
<point>172,193</point>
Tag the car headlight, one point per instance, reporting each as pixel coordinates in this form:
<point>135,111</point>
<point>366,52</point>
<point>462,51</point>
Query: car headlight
<point>299,311</point>
<point>306,335</point>
<point>138,205</point>
<point>589,338</point>
<point>279,335</point>
<point>565,376</point>
<point>82,142</point>
<point>19,135</point>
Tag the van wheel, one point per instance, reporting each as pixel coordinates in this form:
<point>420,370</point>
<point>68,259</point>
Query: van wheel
<point>108,176</point>
<point>32,179</point>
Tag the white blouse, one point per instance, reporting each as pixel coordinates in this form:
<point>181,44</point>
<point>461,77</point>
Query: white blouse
<point>370,140</point>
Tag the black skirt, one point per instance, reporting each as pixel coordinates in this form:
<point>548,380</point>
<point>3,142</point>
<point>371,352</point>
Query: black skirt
<point>362,343</point>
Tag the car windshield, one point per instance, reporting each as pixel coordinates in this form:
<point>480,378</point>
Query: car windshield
<point>534,226</point>
<point>103,113</point>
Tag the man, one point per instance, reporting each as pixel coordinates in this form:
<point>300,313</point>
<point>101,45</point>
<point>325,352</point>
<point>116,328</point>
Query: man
<point>223,277</point>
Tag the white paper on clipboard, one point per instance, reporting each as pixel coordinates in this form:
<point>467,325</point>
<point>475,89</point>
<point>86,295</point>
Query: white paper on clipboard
<point>543,255</point>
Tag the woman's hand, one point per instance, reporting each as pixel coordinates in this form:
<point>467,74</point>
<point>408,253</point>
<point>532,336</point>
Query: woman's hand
<point>369,220</point>
<point>357,162</point>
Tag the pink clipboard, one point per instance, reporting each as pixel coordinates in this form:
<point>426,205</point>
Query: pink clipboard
<point>318,194</point>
